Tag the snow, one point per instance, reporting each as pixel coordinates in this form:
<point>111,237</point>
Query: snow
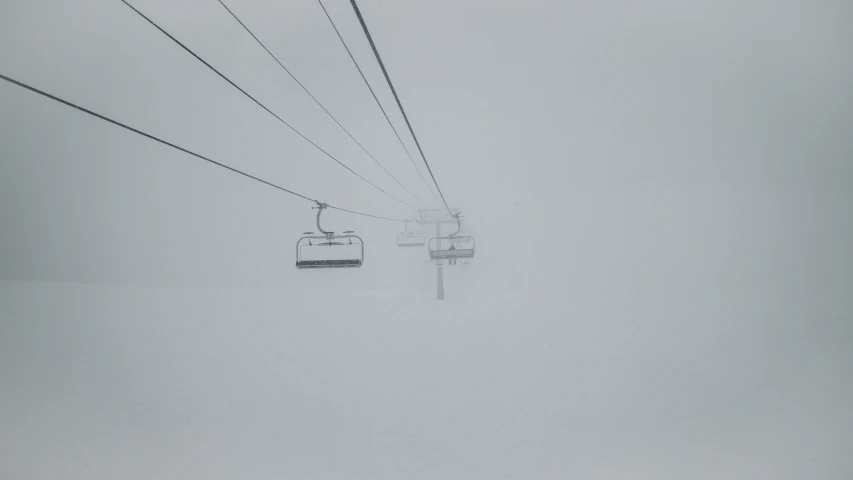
<point>210,383</point>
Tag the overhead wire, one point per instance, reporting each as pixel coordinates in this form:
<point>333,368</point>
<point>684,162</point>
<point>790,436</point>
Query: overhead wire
<point>369,87</point>
<point>179,148</point>
<point>366,214</point>
<point>212,68</point>
<point>304,88</point>
<point>397,98</point>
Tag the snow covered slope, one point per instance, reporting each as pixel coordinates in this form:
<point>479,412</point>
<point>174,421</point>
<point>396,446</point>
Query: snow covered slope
<point>171,383</point>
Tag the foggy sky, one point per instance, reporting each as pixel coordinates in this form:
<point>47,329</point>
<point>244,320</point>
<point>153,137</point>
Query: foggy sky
<point>660,193</point>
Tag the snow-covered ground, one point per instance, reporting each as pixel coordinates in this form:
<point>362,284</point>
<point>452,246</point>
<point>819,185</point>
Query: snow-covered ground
<point>123,382</point>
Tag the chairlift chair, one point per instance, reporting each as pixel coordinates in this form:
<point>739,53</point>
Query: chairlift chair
<point>460,246</point>
<point>329,248</point>
<point>410,239</point>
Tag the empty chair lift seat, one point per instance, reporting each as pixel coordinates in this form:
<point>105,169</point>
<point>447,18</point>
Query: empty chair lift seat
<point>410,240</point>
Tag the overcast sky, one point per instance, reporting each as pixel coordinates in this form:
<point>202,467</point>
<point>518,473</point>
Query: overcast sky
<point>655,186</point>
<point>562,129</point>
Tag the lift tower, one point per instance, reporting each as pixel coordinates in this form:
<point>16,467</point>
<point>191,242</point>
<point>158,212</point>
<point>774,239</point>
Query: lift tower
<point>438,217</point>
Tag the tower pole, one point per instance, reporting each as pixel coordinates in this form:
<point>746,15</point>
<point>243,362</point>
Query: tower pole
<point>439,269</point>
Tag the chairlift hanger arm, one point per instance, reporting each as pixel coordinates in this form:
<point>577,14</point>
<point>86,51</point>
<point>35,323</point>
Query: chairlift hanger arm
<point>409,232</point>
<point>458,225</point>
<point>320,207</point>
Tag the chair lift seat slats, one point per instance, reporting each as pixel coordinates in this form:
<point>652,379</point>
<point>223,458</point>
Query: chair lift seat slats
<point>347,263</point>
<point>448,254</point>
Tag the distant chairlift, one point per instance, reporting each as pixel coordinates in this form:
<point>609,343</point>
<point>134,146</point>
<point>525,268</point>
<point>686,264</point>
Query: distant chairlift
<point>410,239</point>
<point>329,253</point>
<point>460,246</point>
